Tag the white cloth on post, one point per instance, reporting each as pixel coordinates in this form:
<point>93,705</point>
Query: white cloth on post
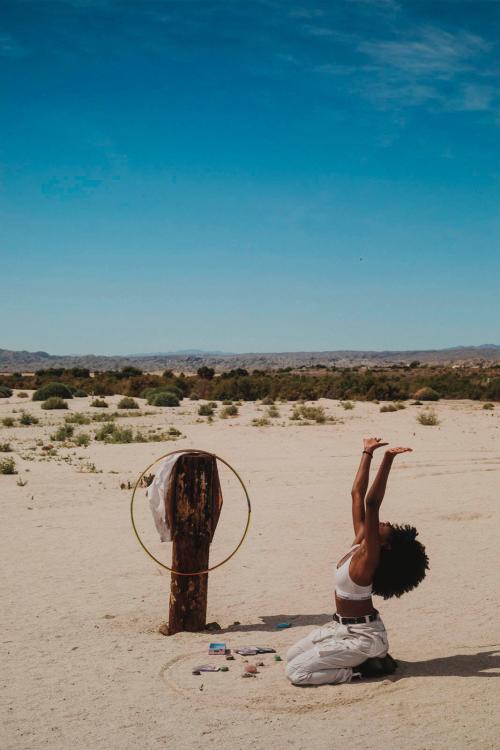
<point>157,494</point>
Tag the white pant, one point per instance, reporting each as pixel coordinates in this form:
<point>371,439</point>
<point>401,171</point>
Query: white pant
<point>328,654</point>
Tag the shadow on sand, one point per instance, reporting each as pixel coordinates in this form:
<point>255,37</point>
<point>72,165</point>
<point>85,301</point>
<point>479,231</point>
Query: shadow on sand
<point>458,665</point>
<point>269,623</point>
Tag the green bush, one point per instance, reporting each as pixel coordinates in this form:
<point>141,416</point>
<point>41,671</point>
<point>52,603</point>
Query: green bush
<point>50,390</point>
<point>8,421</point>
<point>5,392</point>
<point>205,410</point>
<point>388,407</point>
<point>22,394</point>
<point>79,393</point>
<point>99,403</point>
<point>78,418</point>
<point>112,433</point>
<point>206,373</point>
<point>273,412</point>
<point>164,398</point>
<point>123,435</point>
<point>5,448</point>
<point>347,405</point>
<point>268,401</point>
<point>82,440</point>
<point>26,418</point>
<point>7,466</point>
<point>488,406</point>
<point>105,431</point>
<point>426,394</point>
<point>428,418</point>
<point>128,403</point>
<point>103,417</point>
<point>63,433</point>
<point>492,390</point>
<point>260,422</point>
<point>228,411</point>
<point>315,413</point>
<point>55,403</point>
<point>150,393</point>
<point>227,403</point>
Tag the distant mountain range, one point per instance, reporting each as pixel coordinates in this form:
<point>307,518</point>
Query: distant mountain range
<point>186,352</point>
<point>191,359</point>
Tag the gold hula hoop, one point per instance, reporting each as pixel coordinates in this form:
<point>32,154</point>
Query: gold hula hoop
<point>249,512</point>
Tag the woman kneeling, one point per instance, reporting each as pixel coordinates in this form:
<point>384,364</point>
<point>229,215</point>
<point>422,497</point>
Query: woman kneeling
<point>385,559</point>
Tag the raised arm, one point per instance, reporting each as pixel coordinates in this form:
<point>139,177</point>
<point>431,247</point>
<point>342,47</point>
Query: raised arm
<point>374,501</point>
<point>360,485</point>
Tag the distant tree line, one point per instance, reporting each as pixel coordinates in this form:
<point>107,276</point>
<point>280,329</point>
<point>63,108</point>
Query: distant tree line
<point>394,383</point>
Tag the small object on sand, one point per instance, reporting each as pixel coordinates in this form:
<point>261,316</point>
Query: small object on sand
<point>206,668</point>
<point>251,668</point>
<point>277,657</point>
<point>283,625</point>
<point>163,628</point>
<point>248,674</point>
<point>224,669</point>
<point>260,663</point>
<point>196,671</point>
<point>217,648</point>
<point>230,657</point>
<point>252,650</point>
<point>212,626</point>
<point>236,622</point>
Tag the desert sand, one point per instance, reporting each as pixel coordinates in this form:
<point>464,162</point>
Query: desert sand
<point>84,665</point>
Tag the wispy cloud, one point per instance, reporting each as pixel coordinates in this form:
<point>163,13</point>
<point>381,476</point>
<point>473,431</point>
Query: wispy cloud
<point>477,98</point>
<point>9,47</point>
<point>427,65</point>
<point>432,51</point>
<point>431,65</point>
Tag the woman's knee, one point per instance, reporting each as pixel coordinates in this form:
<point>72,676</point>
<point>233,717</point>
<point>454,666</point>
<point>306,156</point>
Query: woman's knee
<point>292,652</point>
<point>296,674</point>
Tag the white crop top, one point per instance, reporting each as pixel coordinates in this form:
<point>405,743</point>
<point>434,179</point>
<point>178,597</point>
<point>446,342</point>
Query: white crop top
<point>345,586</point>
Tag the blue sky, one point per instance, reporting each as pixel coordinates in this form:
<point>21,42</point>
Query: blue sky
<point>248,176</point>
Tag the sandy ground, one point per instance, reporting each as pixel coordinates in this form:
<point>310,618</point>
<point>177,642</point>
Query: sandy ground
<point>85,667</point>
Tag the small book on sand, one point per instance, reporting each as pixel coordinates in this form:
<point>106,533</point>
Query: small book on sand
<point>217,648</point>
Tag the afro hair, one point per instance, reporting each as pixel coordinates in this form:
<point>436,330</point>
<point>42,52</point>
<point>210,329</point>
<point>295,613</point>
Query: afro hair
<point>401,566</point>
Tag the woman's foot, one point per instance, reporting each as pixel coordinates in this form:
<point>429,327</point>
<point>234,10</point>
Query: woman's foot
<point>378,666</point>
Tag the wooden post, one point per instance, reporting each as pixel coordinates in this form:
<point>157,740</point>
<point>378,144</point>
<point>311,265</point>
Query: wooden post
<point>195,477</point>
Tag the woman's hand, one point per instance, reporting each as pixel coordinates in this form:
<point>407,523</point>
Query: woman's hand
<point>371,444</point>
<point>393,452</point>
